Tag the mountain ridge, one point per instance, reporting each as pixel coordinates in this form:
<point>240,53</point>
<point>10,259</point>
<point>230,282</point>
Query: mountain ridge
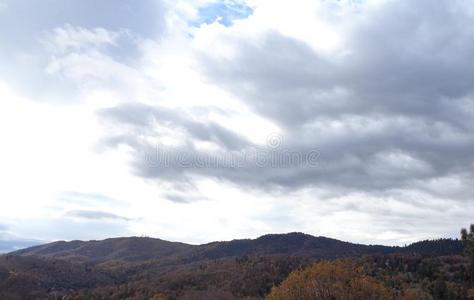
<point>142,267</point>
<point>293,243</point>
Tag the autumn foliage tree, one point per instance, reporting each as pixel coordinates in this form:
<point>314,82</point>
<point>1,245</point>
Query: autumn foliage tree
<point>339,280</point>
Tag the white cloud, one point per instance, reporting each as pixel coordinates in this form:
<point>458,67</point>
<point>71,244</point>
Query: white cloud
<point>68,37</point>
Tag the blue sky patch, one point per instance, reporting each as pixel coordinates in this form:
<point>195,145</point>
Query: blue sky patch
<point>225,13</point>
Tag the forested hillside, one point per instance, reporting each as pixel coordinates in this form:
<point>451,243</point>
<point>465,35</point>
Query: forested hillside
<point>142,268</point>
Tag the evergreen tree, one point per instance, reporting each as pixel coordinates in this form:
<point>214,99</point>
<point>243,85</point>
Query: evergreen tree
<point>468,240</point>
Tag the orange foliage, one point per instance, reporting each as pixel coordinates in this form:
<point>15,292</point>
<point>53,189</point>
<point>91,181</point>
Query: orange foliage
<point>330,280</point>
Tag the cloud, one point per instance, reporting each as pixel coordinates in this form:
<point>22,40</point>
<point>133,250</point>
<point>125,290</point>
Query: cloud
<point>144,18</point>
<point>183,197</point>
<point>139,117</point>
<point>9,242</point>
<point>178,198</point>
<point>3,227</point>
<point>79,25</point>
<point>91,59</point>
<point>95,215</point>
<point>83,198</point>
<point>391,105</point>
<point>72,227</point>
<point>388,107</point>
<point>12,245</point>
<point>229,156</point>
<point>62,39</point>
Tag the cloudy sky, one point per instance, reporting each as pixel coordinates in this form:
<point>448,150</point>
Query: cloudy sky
<point>204,120</point>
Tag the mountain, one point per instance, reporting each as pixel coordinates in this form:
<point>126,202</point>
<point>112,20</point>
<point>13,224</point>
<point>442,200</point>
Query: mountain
<point>124,249</point>
<point>143,249</point>
<point>140,267</point>
<point>134,249</point>
<point>295,244</point>
<point>435,247</point>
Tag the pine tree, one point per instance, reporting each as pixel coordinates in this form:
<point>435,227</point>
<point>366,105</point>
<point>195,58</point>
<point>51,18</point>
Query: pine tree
<point>468,240</point>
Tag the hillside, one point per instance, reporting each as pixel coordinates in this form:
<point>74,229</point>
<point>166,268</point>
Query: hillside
<point>123,249</point>
<point>295,244</point>
<point>377,277</point>
<point>134,249</point>
<point>139,267</point>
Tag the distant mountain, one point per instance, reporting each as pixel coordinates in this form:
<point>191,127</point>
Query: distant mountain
<point>295,244</point>
<point>139,268</point>
<point>125,249</point>
<point>133,249</point>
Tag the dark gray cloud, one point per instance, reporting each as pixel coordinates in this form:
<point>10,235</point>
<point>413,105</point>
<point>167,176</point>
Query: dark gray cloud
<point>394,106</point>
<point>95,215</point>
<point>392,110</point>
<point>181,198</point>
<point>140,119</point>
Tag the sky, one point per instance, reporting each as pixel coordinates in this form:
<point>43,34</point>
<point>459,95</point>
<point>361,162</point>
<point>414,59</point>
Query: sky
<point>205,120</point>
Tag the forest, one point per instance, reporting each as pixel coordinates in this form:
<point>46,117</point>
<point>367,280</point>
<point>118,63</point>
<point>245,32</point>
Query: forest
<point>279,266</point>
